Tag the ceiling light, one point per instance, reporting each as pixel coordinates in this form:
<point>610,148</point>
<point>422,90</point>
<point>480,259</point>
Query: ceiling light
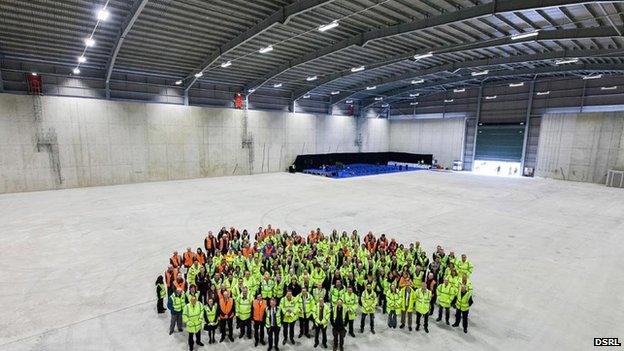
<point>482,73</point>
<point>102,15</point>
<point>349,101</point>
<point>313,78</point>
<point>418,81</point>
<point>199,74</point>
<point>34,74</point>
<point>226,64</point>
<point>76,70</point>
<point>373,87</point>
<point>358,69</point>
<point>609,88</point>
<point>524,35</point>
<point>178,82</point>
<point>378,98</point>
<point>335,92</point>
<point>307,96</point>
<point>420,57</point>
<point>82,59</point>
<point>266,49</point>
<point>491,97</point>
<point>415,95</point>
<point>385,105</point>
<point>459,90</point>
<point>515,85</point>
<point>567,61</point>
<point>278,85</point>
<point>251,90</point>
<point>89,42</point>
<point>540,93</point>
<point>328,26</point>
<point>597,76</point>
<point>413,103</point>
<point>449,101</point>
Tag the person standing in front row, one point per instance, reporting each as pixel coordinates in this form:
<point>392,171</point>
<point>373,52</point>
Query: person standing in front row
<point>210,316</point>
<point>273,323</point>
<point>161,294</point>
<point>226,315</point>
<point>258,309</point>
<point>422,305</point>
<point>192,316</point>
<point>339,322</point>
<point>369,304</point>
<point>393,305</point>
<point>462,303</point>
<point>178,302</point>
<point>321,314</point>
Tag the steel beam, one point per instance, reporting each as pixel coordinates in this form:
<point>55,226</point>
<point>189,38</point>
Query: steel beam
<point>527,121</point>
<point>504,73</point>
<point>476,129</point>
<point>563,34</point>
<point>493,8</point>
<point>281,16</point>
<point>126,26</point>
<point>610,20</point>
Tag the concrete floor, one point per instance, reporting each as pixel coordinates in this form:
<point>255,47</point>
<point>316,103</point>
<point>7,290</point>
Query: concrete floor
<point>78,266</point>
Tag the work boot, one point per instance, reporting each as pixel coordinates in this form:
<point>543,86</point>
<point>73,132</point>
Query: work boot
<point>284,342</point>
<point>466,330</point>
<point>292,341</point>
<point>410,328</point>
<point>426,330</point>
<point>402,326</point>
<point>231,338</point>
<point>256,343</point>
<point>199,343</point>
<point>300,335</point>
<point>262,342</point>
<point>240,336</point>
<point>324,346</point>
<point>455,325</point>
<point>417,327</point>
<point>170,332</point>
<point>438,319</point>
<point>372,331</point>
<point>361,330</point>
<point>352,334</point>
<point>447,322</point>
<point>315,344</point>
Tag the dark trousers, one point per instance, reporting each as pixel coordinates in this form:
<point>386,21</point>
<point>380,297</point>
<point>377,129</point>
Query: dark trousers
<point>304,327</point>
<point>363,320</point>
<point>159,306</point>
<point>223,324</point>
<point>350,322</point>
<point>382,302</point>
<point>245,328</point>
<point>320,329</point>
<point>432,305</point>
<point>338,337</point>
<point>211,332</point>
<point>273,334</point>
<point>197,338</point>
<point>289,328</point>
<point>426,321</point>
<point>392,319</point>
<point>463,317</point>
<point>446,313</point>
<point>258,328</point>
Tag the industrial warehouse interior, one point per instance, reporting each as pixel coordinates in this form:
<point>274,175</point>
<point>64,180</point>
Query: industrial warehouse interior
<point>311,174</point>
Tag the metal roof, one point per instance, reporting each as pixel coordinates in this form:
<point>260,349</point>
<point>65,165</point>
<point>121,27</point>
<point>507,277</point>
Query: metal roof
<point>176,39</point>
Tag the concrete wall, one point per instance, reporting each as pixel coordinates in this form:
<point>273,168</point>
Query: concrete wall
<point>89,142</point>
<point>581,147</point>
<point>444,138</point>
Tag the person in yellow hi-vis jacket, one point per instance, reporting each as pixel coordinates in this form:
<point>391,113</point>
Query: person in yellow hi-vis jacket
<point>462,303</point>
<point>422,305</point>
<point>321,314</point>
<point>408,299</point>
<point>193,318</point>
<point>351,304</point>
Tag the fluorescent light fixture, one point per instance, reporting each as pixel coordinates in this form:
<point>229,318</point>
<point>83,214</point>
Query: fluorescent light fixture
<point>226,64</point>
<point>89,42</point>
<point>76,70</point>
<point>482,73</point>
<point>278,85</point>
<point>597,76</point>
<point>328,26</point>
<point>178,82</point>
<point>385,105</point>
<point>609,88</point>
<point>491,97</point>
<point>313,78</point>
<point>418,81</point>
<point>82,59</point>
<point>449,101</point>
<point>251,90</point>
<point>358,69</point>
<point>420,57</point>
<point>307,96</point>
<point>264,50</point>
<point>199,74</point>
<point>378,98</point>
<point>524,35</point>
<point>103,14</point>
<point>373,87</point>
<point>349,101</point>
<point>415,95</point>
<point>335,92</point>
<point>515,85</point>
<point>34,74</point>
<point>413,103</point>
<point>462,90</point>
<point>567,61</point>
<point>541,93</point>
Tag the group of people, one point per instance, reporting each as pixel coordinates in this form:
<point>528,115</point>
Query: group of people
<point>276,279</point>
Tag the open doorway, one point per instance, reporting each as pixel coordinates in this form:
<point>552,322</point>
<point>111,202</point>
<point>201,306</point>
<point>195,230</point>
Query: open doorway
<point>497,168</point>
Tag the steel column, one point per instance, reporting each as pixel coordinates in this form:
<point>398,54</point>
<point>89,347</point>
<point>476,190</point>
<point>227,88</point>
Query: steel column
<point>526,125</point>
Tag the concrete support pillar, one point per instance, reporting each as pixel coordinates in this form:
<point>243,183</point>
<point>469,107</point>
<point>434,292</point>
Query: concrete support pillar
<point>527,120</point>
<point>476,132</point>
